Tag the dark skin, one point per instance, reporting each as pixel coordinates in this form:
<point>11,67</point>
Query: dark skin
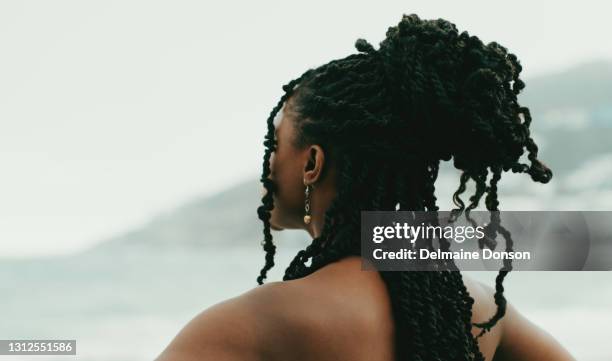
<point>292,168</point>
<point>323,316</point>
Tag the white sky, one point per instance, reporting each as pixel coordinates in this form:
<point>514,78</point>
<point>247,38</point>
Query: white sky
<point>112,111</point>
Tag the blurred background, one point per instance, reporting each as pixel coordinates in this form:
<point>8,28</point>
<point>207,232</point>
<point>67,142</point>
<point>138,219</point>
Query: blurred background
<point>131,145</point>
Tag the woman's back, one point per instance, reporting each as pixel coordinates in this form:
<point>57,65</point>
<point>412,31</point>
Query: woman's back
<point>337,313</point>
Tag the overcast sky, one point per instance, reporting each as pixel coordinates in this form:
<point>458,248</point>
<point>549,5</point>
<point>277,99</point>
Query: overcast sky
<point>112,111</point>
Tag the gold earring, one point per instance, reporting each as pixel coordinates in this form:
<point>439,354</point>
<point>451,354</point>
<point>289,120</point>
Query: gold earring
<point>307,216</point>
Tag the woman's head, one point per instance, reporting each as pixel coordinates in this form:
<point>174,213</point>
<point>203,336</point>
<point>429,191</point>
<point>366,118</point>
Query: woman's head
<point>380,121</point>
<point>429,93</point>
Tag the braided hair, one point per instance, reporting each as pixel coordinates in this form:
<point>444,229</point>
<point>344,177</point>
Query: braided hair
<point>387,118</point>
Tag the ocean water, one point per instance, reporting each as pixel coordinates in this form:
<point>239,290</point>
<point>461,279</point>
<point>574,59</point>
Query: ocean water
<point>128,304</point>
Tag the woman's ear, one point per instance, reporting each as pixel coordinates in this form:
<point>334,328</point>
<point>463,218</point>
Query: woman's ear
<point>315,162</point>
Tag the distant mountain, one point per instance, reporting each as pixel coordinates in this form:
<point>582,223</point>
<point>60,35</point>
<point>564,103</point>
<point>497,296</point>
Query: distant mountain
<point>585,86</point>
<point>226,219</point>
<point>572,115</point>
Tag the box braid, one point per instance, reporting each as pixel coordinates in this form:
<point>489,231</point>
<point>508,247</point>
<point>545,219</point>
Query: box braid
<point>387,118</point>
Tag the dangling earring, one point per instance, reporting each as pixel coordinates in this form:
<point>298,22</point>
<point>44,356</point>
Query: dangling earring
<point>307,216</point>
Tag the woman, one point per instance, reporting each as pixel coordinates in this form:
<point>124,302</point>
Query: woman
<point>368,132</point>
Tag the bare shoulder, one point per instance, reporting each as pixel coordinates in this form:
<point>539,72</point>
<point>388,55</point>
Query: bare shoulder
<point>514,337</point>
<point>229,330</point>
<point>523,340</point>
<point>314,317</point>
<point>484,303</point>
